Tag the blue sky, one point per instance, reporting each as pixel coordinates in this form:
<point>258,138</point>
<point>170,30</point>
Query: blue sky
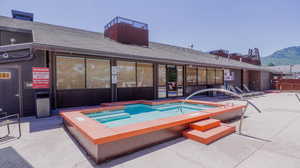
<point>235,25</point>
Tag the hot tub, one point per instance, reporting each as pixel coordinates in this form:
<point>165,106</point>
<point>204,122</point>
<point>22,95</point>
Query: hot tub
<point>124,127</point>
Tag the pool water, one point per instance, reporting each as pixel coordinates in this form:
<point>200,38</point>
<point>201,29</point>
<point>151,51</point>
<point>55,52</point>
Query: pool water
<point>135,113</point>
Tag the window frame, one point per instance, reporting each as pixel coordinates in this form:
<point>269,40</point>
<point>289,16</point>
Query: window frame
<point>56,72</point>
<point>195,83</point>
<point>222,76</point>
<point>135,74</point>
<point>85,71</point>
<point>152,66</point>
<point>205,80</point>
<point>207,76</point>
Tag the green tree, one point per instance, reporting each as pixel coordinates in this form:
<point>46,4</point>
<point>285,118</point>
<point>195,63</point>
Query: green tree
<point>271,64</point>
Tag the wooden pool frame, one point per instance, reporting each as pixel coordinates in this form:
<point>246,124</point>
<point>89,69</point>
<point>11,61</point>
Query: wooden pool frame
<point>103,143</point>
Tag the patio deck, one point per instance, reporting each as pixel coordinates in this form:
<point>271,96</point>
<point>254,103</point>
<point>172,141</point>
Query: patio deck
<point>45,143</point>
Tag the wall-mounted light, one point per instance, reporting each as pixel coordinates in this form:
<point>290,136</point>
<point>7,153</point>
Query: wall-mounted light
<point>12,41</point>
<point>5,55</point>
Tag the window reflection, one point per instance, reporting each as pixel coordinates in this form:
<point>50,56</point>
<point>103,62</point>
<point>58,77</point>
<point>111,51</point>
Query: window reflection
<point>144,75</point>
<point>126,74</point>
<point>191,75</point>
<point>97,73</point>
<point>70,73</point>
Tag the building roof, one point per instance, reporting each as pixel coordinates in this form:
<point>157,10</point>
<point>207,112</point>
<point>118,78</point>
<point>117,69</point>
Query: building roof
<point>70,39</point>
<point>286,69</point>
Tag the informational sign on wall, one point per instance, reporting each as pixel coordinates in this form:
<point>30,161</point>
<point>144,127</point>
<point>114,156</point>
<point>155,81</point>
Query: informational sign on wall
<point>40,77</point>
<point>228,76</point>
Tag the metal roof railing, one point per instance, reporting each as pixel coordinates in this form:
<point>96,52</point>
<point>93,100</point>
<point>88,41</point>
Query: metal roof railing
<point>133,23</point>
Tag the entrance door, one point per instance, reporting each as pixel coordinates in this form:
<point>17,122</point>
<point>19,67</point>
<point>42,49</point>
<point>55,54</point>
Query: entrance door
<point>9,90</point>
<point>171,80</point>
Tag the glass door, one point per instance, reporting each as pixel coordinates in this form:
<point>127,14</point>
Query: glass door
<point>179,80</point>
<point>171,80</point>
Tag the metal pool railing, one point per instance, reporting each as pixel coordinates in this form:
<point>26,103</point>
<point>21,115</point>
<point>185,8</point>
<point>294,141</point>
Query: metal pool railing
<point>297,97</point>
<point>241,98</point>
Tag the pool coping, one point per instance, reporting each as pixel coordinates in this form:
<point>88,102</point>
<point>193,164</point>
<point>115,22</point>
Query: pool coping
<point>99,133</point>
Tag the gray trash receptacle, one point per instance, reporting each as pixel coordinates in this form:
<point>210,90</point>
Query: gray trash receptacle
<point>42,101</point>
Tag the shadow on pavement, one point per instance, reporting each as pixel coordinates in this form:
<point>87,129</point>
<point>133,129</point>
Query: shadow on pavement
<point>10,158</point>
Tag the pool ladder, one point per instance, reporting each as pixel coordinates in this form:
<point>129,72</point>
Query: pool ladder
<point>241,98</point>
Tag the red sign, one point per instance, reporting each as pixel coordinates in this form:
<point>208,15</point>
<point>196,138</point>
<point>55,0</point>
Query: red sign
<point>40,77</point>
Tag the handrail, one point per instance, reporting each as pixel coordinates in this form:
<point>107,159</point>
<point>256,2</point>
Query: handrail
<point>230,93</point>
<point>6,122</point>
<point>119,19</point>
<point>297,97</point>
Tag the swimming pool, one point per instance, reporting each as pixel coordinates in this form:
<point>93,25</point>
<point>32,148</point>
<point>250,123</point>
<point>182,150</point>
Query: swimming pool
<point>119,128</point>
<point>134,113</point>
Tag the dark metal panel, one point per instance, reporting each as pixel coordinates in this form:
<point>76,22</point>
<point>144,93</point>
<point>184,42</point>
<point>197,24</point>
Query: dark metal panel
<point>135,93</point>
<point>26,92</point>
<point>145,93</point>
<point>9,91</point>
<point>82,97</point>
<point>20,37</point>
<point>191,89</point>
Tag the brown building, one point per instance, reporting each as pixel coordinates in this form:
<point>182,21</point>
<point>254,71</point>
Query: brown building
<point>88,68</point>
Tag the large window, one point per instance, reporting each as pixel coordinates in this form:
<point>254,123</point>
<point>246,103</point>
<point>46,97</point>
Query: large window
<point>97,73</point>
<point>179,75</point>
<point>80,73</point>
<point>162,75</point>
<point>201,75</point>
<point>126,74</point>
<point>219,76</point>
<point>211,76</point>
<point>191,75</point>
<point>70,73</point>
<point>162,81</point>
<point>144,75</point>
<point>132,74</point>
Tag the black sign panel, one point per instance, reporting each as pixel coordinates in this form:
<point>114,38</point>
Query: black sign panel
<point>16,55</point>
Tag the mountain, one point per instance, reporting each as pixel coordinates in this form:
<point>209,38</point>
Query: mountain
<point>286,56</point>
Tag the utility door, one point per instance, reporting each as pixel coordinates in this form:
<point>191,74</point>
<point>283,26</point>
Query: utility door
<point>9,90</point>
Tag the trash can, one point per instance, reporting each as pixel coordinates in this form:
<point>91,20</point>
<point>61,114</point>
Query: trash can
<point>42,104</point>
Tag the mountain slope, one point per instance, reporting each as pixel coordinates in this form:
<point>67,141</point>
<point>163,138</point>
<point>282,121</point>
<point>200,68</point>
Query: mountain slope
<point>286,56</point>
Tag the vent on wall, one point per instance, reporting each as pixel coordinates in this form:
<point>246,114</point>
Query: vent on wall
<point>22,15</point>
<point>127,31</point>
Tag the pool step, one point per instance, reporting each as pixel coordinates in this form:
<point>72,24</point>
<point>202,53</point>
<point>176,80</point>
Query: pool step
<point>104,113</point>
<point>209,135</point>
<point>111,117</point>
<point>172,107</point>
<point>205,125</point>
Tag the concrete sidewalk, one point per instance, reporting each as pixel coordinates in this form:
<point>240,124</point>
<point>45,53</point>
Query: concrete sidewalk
<point>45,143</point>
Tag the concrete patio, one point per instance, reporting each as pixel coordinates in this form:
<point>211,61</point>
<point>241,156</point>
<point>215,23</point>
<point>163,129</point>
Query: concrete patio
<point>45,143</point>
